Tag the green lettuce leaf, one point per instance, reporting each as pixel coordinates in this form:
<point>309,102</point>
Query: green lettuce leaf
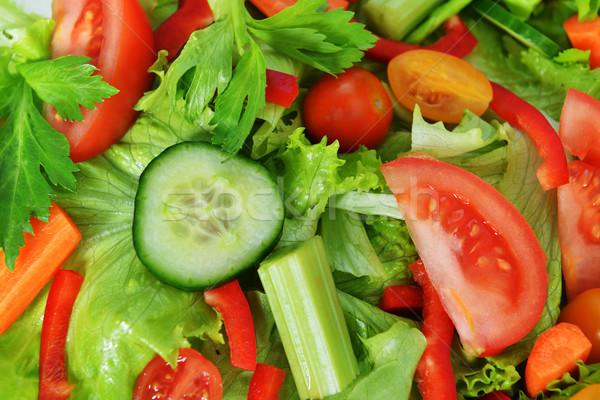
<point>587,9</point>
<point>522,8</point>
<point>124,316</point>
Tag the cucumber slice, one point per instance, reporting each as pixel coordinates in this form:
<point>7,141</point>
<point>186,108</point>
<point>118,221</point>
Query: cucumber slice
<point>518,29</point>
<point>201,218</point>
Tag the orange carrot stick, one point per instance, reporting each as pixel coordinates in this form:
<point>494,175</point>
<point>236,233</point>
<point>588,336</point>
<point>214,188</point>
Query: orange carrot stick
<point>38,260</point>
<point>555,353</point>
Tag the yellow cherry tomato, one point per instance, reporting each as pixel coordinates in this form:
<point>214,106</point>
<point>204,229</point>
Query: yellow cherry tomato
<point>442,85</point>
<point>591,392</point>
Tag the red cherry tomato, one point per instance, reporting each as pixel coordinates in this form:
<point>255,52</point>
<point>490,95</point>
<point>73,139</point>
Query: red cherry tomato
<point>194,378</point>
<point>442,85</point>
<point>353,108</point>
<point>117,36</point>
<point>584,311</point>
<point>579,228</point>
<point>480,254</point>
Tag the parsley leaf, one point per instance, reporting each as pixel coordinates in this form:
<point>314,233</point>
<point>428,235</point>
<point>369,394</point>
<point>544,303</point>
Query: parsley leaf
<point>34,157</point>
<point>303,32</point>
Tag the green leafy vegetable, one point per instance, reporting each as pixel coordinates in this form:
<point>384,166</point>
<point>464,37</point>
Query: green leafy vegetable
<point>327,41</point>
<point>522,8</point>
<point>587,9</point>
<point>436,19</point>
<point>33,155</point>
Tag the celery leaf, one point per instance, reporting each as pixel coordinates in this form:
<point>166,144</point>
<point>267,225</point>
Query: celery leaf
<point>67,83</point>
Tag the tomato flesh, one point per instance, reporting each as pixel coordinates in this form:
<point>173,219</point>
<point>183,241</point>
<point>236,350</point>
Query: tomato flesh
<point>194,377</point>
<point>579,133</point>
<point>482,257</point>
<point>117,36</point>
<point>441,84</point>
<point>584,311</point>
<point>353,109</point>
<point>579,228</point>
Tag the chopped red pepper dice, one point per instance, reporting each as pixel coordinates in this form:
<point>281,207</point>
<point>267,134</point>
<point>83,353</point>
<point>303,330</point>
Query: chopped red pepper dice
<point>434,371</point>
<point>266,382</point>
<point>458,41</point>
<point>404,300</point>
<point>53,377</point>
<point>230,302</point>
<point>174,32</point>
<point>522,115</point>
<point>282,88</point>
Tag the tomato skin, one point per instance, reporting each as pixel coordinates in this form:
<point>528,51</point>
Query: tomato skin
<point>584,311</point>
<point>123,53</point>
<point>441,84</point>
<point>482,257</point>
<point>579,133</point>
<point>578,228</point>
<point>194,377</point>
<point>353,108</point>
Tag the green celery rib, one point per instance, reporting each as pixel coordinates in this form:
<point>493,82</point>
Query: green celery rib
<point>394,19</point>
<point>307,311</point>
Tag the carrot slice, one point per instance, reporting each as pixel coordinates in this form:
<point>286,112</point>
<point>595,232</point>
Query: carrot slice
<point>555,353</point>
<point>38,260</point>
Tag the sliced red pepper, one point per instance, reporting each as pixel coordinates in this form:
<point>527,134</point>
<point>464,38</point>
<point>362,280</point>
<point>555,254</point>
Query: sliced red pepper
<point>525,117</point>
<point>434,370</point>
<point>404,300</point>
<point>497,395</point>
<point>53,376</point>
<point>282,88</point>
<point>457,41</point>
<point>230,302</point>
<point>174,32</point>
<point>272,7</point>
<point>266,382</point>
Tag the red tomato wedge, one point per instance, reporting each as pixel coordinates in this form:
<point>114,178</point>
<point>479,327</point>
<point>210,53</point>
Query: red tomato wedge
<point>194,377</point>
<point>480,254</point>
<point>579,127</point>
<point>579,228</point>
<point>117,36</point>
<point>54,384</point>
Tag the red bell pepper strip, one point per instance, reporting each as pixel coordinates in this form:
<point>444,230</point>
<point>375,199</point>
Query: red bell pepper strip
<point>266,382</point>
<point>497,395</point>
<point>522,115</point>
<point>282,88</point>
<point>174,32</point>
<point>458,41</point>
<point>53,377</point>
<point>272,7</point>
<point>230,302</point>
<point>434,370</point>
<point>585,35</point>
<point>404,300</point>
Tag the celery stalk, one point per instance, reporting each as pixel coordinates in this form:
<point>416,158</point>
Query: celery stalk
<point>307,311</point>
<point>394,19</point>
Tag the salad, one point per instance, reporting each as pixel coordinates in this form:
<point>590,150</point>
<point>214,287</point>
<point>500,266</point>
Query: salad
<point>314,199</point>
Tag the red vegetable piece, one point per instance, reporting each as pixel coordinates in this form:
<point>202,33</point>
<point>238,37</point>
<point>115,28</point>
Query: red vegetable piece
<point>282,88</point>
<point>579,133</point>
<point>404,300</point>
<point>53,377</point>
<point>497,395</point>
<point>230,302</point>
<point>266,382</point>
<point>174,32</point>
<point>272,7</point>
<point>522,115</point>
<point>585,35</point>
<point>434,371</point>
<point>194,377</point>
<point>458,41</point>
